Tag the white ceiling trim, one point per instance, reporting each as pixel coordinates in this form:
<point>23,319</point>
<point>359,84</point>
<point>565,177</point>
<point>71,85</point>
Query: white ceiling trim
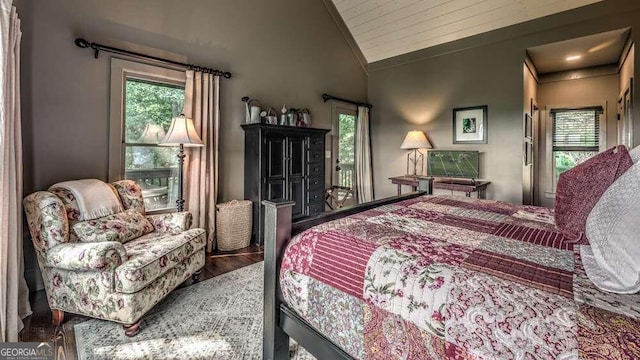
<point>388,28</point>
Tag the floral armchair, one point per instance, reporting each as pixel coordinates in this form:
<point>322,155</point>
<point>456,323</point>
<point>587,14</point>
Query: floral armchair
<point>111,280</point>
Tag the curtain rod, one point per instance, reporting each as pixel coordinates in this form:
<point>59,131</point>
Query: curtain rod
<point>327,97</point>
<point>83,43</point>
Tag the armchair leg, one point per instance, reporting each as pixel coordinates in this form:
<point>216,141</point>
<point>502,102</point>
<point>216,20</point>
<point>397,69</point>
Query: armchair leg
<point>132,330</point>
<point>196,275</point>
<point>57,317</point>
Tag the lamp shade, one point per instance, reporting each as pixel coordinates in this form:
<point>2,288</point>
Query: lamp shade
<point>152,134</point>
<point>181,132</point>
<point>415,139</point>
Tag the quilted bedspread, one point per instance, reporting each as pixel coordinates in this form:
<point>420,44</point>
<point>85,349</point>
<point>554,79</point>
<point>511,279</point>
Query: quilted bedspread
<point>441,277</point>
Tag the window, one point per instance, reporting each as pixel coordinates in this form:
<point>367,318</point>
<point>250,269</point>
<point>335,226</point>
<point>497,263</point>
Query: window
<point>144,100</point>
<point>576,138</point>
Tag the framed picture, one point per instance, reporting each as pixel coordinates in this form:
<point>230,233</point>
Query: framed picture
<point>470,125</point>
<point>528,153</point>
<point>528,126</point>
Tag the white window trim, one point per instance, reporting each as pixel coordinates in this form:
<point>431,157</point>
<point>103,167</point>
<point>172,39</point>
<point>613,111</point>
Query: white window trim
<point>551,186</point>
<point>121,70</point>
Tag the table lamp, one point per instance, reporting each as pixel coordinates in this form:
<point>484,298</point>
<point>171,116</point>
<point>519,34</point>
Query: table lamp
<point>415,140</point>
<point>181,133</point>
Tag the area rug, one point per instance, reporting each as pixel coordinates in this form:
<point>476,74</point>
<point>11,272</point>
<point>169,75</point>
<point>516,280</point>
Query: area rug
<point>220,318</point>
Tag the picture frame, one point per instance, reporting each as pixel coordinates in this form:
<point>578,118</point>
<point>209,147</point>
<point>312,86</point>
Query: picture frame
<point>528,126</point>
<point>528,153</point>
<point>470,125</point>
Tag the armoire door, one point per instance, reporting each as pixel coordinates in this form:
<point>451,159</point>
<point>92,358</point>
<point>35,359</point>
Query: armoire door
<point>296,150</point>
<point>275,168</point>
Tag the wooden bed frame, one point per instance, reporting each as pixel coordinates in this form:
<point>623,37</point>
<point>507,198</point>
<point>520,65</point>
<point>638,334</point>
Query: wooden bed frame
<point>280,322</point>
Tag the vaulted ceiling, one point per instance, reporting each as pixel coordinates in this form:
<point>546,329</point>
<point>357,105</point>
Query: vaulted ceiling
<point>387,28</point>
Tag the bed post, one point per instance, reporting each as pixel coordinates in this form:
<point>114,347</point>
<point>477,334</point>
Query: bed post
<point>277,233</point>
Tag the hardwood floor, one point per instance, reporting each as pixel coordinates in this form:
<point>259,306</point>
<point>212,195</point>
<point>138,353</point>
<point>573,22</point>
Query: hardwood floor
<point>39,327</point>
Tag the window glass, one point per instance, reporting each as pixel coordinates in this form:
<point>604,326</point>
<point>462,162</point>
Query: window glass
<point>149,108</point>
<point>346,149</point>
<point>576,138</point>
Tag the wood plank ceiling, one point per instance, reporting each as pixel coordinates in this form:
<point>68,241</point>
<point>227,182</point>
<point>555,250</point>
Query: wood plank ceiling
<point>387,28</point>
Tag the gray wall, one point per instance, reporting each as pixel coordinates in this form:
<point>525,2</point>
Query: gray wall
<point>420,89</point>
<point>627,69</point>
<point>279,51</point>
<point>421,96</point>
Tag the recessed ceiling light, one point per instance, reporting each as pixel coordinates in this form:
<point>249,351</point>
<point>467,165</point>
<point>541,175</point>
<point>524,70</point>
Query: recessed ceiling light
<point>574,57</point>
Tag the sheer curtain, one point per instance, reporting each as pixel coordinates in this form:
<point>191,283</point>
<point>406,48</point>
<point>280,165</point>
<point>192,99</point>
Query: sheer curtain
<point>202,104</point>
<point>364,177</point>
<point>14,294</point>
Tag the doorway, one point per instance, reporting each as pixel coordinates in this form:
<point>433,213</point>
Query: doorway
<point>343,175</point>
<point>576,84</point>
<point>625,117</point>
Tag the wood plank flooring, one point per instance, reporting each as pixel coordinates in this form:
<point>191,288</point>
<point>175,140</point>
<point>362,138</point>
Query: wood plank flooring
<point>38,326</point>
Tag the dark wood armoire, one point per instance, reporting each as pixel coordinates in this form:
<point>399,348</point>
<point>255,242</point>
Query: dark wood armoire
<point>283,163</point>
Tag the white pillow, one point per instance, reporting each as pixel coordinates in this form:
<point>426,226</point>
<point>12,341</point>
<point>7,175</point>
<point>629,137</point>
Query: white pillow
<point>635,154</point>
<point>613,230</point>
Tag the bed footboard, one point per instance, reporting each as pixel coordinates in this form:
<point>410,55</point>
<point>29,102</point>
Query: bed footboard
<point>279,320</point>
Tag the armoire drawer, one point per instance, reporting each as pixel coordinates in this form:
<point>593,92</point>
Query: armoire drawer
<point>315,183</point>
<point>316,143</point>
<point>315,169</point>
<point>316,208</point>
<point>315,156</point>
<point>315,196</point>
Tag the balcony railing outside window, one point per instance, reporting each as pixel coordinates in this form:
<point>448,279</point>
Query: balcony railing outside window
<point>159,186</point>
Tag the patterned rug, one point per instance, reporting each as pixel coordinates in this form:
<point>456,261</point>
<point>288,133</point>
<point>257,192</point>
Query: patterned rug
<point>220,318</point>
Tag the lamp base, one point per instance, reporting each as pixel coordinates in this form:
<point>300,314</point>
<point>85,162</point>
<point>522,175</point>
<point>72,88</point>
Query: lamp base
<point>415,157</point>
<point>180,201</point>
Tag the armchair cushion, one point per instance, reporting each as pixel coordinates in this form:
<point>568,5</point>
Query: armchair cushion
<point>171,222</point>
<point>102,256</point>
<point>120,227</point>
<point>130,195</point>
<point>152,255</point>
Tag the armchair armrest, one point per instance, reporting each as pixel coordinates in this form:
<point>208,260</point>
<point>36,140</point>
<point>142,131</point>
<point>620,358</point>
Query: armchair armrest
<point>47,220</point>
<point>99,256</point>
<point>172,222</point>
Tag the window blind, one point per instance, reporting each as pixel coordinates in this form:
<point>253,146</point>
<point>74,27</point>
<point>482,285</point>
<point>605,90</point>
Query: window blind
<point>576,129</point>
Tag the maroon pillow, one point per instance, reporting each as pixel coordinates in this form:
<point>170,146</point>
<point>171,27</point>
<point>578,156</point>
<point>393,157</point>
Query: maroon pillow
<point>580,188</point>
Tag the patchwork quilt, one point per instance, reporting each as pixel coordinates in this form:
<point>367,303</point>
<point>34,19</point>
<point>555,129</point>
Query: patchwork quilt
<point>443,277</point>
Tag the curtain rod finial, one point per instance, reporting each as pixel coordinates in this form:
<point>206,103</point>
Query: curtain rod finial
<point>80,42</point>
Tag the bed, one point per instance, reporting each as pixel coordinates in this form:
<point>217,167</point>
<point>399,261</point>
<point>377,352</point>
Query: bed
<point>437,277</point>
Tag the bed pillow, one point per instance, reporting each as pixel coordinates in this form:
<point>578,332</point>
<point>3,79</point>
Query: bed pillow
<point>580,188</point>
<point>612,262</point>
<point>121,227</point>
<point>635,154</point>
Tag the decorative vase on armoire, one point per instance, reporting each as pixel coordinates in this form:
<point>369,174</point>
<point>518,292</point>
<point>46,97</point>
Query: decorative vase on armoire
<point>283,163</point>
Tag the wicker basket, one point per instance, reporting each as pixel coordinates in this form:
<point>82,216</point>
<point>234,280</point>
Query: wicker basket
<point>233,224</point>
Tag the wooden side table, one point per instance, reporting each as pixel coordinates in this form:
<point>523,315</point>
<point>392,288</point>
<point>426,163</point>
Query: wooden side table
<point>479,187</point>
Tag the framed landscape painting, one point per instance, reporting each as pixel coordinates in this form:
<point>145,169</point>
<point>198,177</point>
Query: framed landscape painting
<point>470,125</point>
